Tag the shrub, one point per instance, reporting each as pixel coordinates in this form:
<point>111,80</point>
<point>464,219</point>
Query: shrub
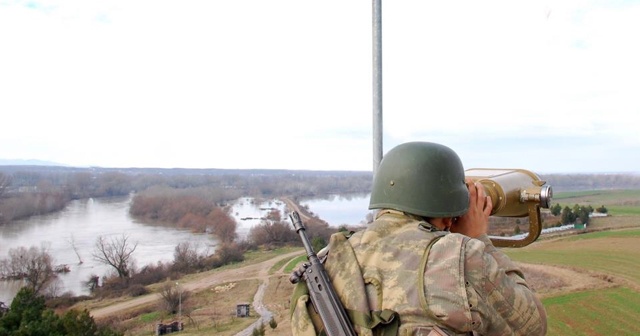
<point>227,253</point>
<point>136,290</point>
<point>151,274</point>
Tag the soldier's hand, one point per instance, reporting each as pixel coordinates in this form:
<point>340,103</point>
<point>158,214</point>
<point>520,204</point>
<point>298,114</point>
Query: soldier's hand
<point>475,222</point>
<point>298,273</point>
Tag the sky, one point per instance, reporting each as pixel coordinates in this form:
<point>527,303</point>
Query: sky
<point>548,86</point>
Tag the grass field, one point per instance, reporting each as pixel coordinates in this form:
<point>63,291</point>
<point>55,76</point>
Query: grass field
<point>602,196</point>
<point>618,202</point>
<point>612,252</point>
<point>612,255</point>
<point>612,311</point>
<point>608,311</point>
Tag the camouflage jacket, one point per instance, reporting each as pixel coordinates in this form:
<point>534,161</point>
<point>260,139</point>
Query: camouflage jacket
<point>431,277</point>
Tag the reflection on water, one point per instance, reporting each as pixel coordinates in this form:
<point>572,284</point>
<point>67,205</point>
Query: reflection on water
<point>248,212</point>
<point>79,224</point>
<point>350,209</point>
<point>82,221</point>
<point>337,210</point>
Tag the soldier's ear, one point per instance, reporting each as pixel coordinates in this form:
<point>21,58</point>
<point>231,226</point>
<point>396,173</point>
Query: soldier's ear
<point>448,222</point>
<point>442,223</point>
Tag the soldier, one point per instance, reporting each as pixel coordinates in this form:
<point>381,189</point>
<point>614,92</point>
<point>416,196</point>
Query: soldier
<point>426,266</point>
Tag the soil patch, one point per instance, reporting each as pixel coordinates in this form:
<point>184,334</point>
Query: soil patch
<point>548,280</point>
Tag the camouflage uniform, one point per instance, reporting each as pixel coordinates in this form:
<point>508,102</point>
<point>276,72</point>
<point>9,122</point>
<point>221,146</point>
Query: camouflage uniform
<point>430,278</point>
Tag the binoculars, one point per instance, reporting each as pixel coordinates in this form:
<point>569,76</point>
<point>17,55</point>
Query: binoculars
<point>514,193</point>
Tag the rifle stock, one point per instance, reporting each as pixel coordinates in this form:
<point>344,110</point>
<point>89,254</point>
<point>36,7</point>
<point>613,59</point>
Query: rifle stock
<point>323,296</point>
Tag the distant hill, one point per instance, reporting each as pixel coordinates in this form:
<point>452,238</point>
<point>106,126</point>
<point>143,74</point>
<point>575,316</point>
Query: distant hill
<point>560,182</point>
<point>577,182</point>
<point>58,168</point>
<point>7,162</point>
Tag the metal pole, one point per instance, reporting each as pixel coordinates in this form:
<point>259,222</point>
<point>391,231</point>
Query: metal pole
<point>377,85</point>
<point>179,302</point>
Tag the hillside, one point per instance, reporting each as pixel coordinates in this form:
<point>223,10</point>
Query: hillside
<point>214,295</point>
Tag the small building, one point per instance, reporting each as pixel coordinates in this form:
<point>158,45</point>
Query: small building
<point>242,310</point>
<point>163,329</point>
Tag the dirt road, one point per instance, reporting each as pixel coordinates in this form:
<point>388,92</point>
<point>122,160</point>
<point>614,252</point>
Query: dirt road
<point>293,206</point>
<point>255,271</point>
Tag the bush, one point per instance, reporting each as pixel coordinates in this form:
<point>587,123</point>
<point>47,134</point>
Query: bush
<point>66,300</point>
<point>136,290</point>
<point>172,297</point>
<point>188,257</point>
<point>272,233</point>
<point>227,253</point>
<point>111,287</point>
<point>259,330</point>
<point>151,274</point>
<point>272,323</point>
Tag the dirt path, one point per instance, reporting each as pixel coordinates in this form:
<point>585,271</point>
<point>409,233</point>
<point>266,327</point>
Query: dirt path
<point>293,206</point>
<point>258,271</point>
<point>260,308</point>
<point>255,271</point>
<point>547,280</point>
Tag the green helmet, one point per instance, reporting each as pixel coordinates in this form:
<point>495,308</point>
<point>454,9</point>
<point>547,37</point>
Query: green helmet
<point>421,178</point>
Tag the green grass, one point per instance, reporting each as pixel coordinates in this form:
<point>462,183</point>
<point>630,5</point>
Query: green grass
<point>611,252</point>
<point>623,210</point>
<point>150,317</point>
<point>611,311</point>
<point>294,262</point>
<point>606,234</point>
<point>607,311</point>
<point>281,263</point>
<point>261,255</point>
<point>618,202</point>
<point>605,196</point>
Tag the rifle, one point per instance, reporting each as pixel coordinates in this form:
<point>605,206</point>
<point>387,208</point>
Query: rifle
<point>323,296</point>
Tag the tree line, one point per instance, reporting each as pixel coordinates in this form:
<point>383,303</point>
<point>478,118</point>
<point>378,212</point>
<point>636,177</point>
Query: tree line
<point>577,213</point>
<point>32,190</point>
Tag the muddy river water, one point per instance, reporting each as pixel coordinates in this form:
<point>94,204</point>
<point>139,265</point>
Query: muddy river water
<point>70,235</point>
<point>77,227</point>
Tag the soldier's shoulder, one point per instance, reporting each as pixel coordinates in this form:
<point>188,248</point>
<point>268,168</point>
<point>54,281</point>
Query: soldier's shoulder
<point>455,245</point>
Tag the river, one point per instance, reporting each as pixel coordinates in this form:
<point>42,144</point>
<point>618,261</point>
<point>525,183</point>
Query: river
<point>83,221</point>
<point>79,225</point>
<point>337,210</point>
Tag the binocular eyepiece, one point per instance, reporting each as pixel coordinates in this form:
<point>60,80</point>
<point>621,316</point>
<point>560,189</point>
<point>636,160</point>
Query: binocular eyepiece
<point>511,190</point>
<point>514,193</point>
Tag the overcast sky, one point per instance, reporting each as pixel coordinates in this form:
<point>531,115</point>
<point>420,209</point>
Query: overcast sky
<point>550,86</point>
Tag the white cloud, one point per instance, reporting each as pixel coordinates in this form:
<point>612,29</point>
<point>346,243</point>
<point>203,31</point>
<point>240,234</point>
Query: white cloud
<point>212,84</point>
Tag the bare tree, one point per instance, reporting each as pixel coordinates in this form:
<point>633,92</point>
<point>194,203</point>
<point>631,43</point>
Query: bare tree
<point>188,256</point>
<point>72,242</point>
<point>93,282</point>
<point>224,226</point>
<point>173,297</point>
<point>34,265</point>
<point>117,253</point>
<point>272,233</point>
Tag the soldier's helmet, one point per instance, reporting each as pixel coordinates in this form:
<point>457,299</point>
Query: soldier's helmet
<point>421,178</point>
